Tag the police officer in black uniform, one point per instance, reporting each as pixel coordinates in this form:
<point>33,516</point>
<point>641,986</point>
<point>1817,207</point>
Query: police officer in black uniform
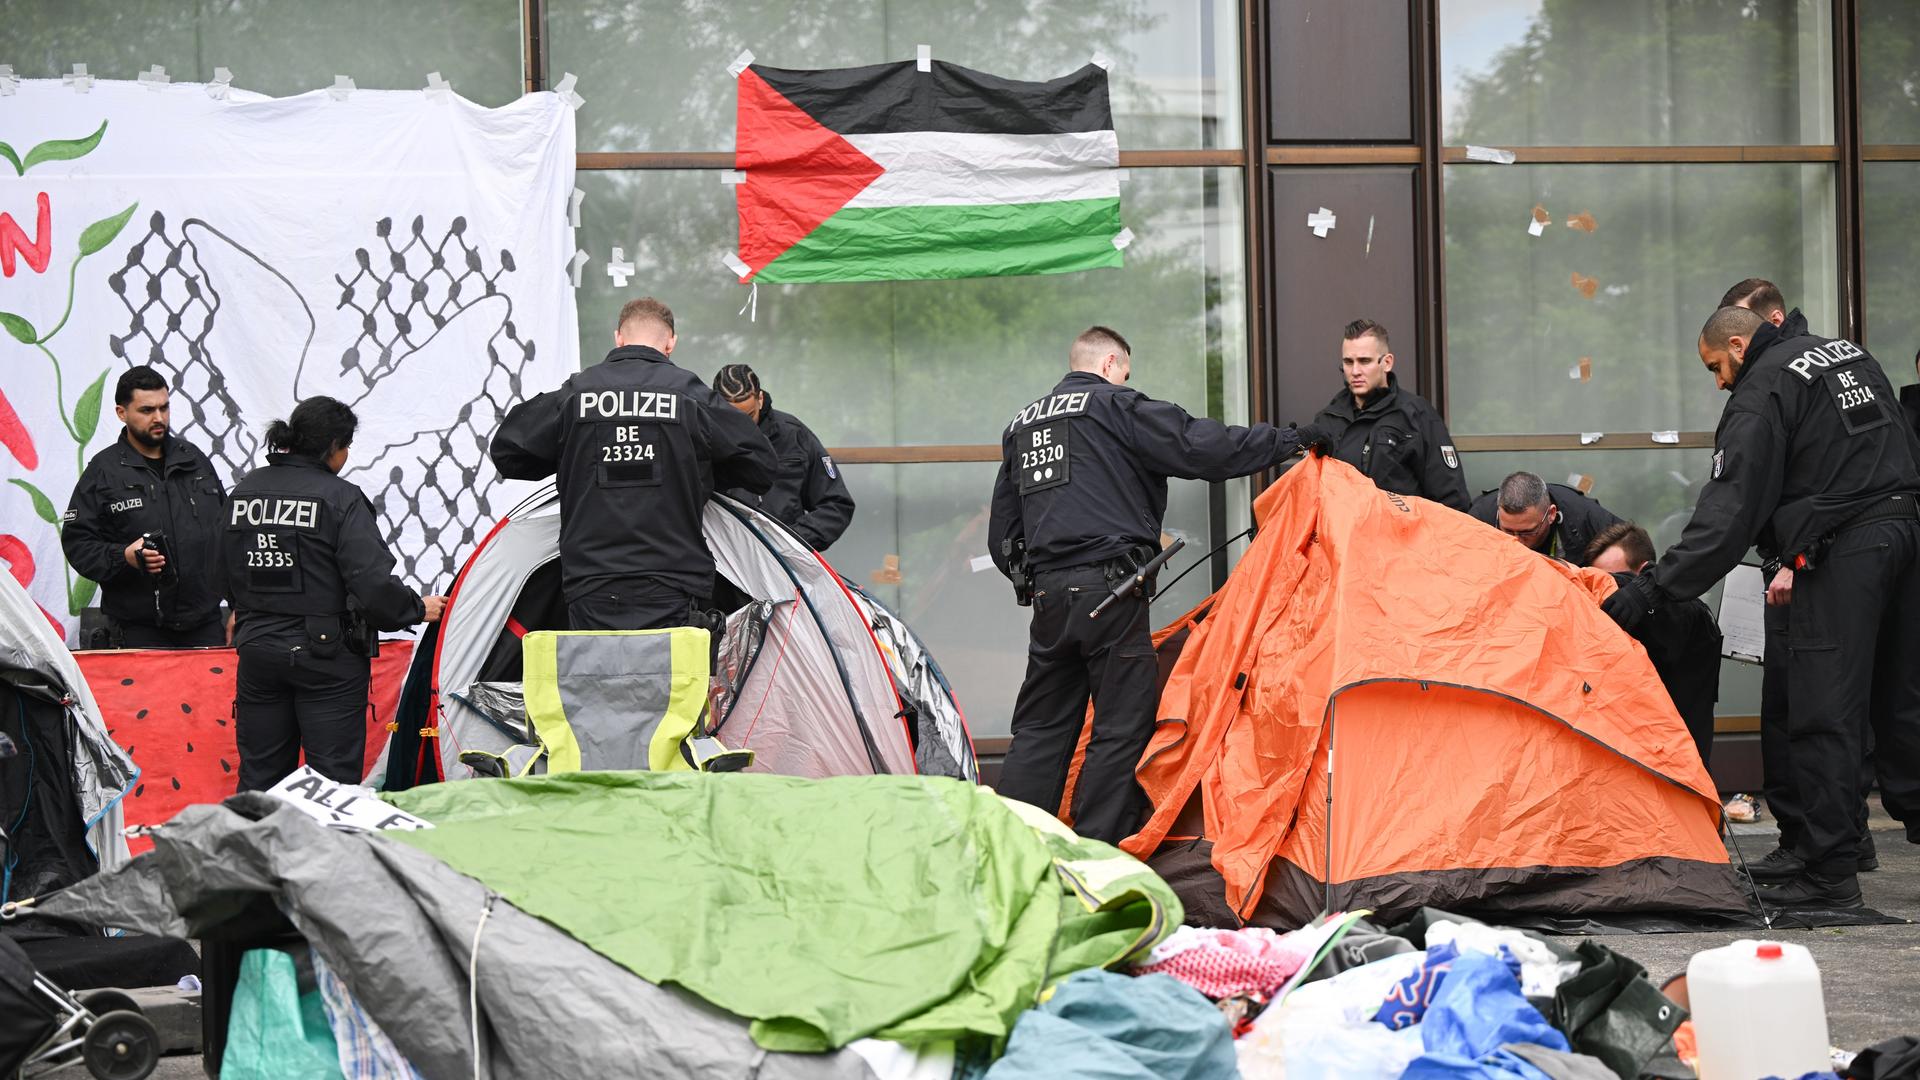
<point>808,493</point>
<point>311,583</point>
<point>1812,462</point>
<point>1683,640</point>
<point>638,446</point>
<point>1077,506</point>
<point>1553,519</point>
<point>1391,435</point>
<point>144,522</point>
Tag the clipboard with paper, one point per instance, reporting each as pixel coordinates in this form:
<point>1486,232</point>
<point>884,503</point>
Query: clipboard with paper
<point>1743,609</point>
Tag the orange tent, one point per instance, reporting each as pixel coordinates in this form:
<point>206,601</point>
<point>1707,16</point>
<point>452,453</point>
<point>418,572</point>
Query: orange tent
<point>1391,705</point>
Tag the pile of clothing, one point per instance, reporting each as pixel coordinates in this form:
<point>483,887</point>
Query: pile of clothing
<point>1437,996</point>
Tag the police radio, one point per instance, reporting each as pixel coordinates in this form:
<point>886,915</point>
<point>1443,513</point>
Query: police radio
<point>1014,550</point>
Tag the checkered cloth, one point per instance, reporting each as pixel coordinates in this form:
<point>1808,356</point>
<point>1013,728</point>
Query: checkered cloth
<point>365,1051</point>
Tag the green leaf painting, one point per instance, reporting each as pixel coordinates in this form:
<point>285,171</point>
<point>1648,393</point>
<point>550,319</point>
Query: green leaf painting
<point>86,413</point>
<point>21,329</point>
<point>41,504</point>
<point>101,233</point>
<point>8,153</point>
<point>64,150</point>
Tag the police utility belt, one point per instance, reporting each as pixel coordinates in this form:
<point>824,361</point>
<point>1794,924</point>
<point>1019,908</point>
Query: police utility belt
<point>1904,506</point>
<point>1115,569</point>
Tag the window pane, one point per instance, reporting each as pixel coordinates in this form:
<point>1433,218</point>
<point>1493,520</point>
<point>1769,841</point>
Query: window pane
<point>1636,72</point>
<point>931,362</point>
<point>654,72</point>
<point>1655,488</point>
<point>1890,71</point>
<point>1347,79</point>
<point>1890,192</point>
<point>278,47</point>
<point>934,518</point>
<point>1667,241</point>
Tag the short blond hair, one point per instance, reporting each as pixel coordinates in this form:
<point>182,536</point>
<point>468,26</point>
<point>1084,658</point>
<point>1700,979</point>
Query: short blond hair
<point>645,309</point>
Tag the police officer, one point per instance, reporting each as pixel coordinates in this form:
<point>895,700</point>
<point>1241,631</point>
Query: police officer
<point>311,582</point>
<point>1078,500</point>
<point>144,522</point>
<point>1764,299</point>
<point>1812,462</point>
<point>808,493</point>
<point>1910,399</point>
<point>1391,435</point>
<point>1552,519</point>
<point>1682,640</point>
<point>638,446</point>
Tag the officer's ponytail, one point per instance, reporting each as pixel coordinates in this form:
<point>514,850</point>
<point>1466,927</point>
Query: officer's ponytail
<point>317,427</point>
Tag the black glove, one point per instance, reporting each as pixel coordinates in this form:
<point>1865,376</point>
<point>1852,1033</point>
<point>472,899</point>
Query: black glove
<point>1314,439</point>
<point>1635,599</point>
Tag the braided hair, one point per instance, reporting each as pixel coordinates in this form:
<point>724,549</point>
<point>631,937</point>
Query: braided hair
<point>736,382</point>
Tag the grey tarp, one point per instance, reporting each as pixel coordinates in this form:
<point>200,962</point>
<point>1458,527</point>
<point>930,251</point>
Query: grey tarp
<point>34,658</point>
<point>398,925</point>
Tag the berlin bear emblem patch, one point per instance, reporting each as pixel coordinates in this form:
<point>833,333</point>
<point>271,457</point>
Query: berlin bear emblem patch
<point>1719,463</point>
<point>1447,455</point>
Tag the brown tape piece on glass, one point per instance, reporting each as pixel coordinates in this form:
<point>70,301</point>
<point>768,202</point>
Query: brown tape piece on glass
<point>1584,485</point>
<point>1583,221</point>
<point>1540,214</point>
<point>1586,369</point>
<point>1587,286</point>
<point>889,572</point>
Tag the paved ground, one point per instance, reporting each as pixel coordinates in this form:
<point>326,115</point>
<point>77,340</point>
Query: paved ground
<point>1871,974</point>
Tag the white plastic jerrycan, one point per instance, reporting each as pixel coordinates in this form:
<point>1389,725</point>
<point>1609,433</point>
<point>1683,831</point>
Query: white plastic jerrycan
<point>1758,1011</point>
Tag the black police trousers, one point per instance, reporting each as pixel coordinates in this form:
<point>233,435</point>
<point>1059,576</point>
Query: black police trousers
<point>1776,745</point>
<point>1852,637</point>
<point>1069,657</point>
<point>632,606</point>
<point>288,700</point>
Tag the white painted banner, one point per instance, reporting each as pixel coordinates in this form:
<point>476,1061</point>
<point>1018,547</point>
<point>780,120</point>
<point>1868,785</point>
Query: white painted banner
<point>403,252</point>
<point>342,806</point>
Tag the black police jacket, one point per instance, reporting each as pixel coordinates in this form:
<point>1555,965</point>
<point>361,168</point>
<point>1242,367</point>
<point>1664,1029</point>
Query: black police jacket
<point>807,493</point>
<point>1910,404</point>
<point>1083,471</point>
<point>1399,442</point>
<point>1811,437</point>
<point>637,447</point>
<point>301,548</point>
<point>1581,519</point>
<point>1683,641</point>
<point>119,497</point>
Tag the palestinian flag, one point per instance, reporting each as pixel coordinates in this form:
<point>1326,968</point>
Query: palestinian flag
<point>889,173</point>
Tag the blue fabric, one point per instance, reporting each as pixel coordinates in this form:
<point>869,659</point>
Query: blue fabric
<point>1103,1026</point>
<point>1477,1009</point>
<point>1408,1001</point>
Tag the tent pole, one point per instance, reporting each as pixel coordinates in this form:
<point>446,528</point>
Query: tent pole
<point>1326,877</point>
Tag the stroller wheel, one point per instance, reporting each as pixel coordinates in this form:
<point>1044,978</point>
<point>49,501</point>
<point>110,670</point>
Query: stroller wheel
<point>121,1046</point>
<point>102,1002</point>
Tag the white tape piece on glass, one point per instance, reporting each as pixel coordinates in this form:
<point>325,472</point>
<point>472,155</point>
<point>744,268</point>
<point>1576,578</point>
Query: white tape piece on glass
<point>574,202</point>
<point>1322,222</point>
<point>1491,154</point>
<point>1102,61</point>
<point>568,80</point>
<point>733,177</point>
<point>923,57</point>
<point>1679,477</point>
<point>980,563</point>
<point>437,87</point>
<point>341,88</point>
<point>1122,238</point>
<point>8,84</point>
<point>575,265</point>
<point>1369,252</point>
<point>619,269</point>
<point>1573,479</point>
<point>154,78</point>
<point>78,78</point>
<point>1588,438</point>
<point>736,264</point>
<point>740,63</point>
<point>222,82</point>
<point>1536,227</point>
<point>1667,437</point>
<point>1574,373</point>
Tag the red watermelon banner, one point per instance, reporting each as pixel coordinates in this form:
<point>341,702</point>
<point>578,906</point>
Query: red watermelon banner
<point>173,712</point>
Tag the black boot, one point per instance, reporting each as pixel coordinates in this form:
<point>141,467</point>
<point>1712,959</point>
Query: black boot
<point>1780,865</point>
<point>1868,860</point>
<point>1811,890</point>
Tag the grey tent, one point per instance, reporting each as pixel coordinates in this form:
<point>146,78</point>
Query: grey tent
<point>60,790</point>
<point>821,680</point>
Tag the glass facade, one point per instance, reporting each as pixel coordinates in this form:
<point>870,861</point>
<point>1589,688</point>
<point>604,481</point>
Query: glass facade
<point>1673,146</point>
